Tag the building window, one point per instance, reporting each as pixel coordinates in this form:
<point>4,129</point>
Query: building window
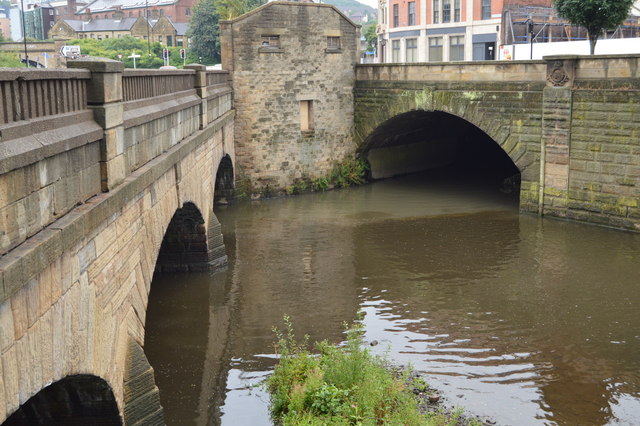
<point>486,9</point>
<point>435,49</point>
<point>270,41</point>
<point>395,51</point>
<point>50,12</point>
<point>169,40</point>
<point>119,35</point>
<point>106,37</point>
<point>456,11</point>
<point>436,11</point>
<point>160,39</point>
<point>161,12</point>
<point>99,37</point>
<point>306,116</point>
<point>179,41</point>
<point>446,11</point>
<point>333,43</point>
<point>412,13</point>
<point>456,48</point>
<point>411,50</point>
<point>395,15</point>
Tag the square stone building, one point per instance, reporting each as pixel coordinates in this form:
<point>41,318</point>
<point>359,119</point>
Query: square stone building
<point>292,67</point>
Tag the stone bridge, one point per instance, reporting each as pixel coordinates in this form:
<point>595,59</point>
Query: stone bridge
<point>105,176</point>
<point>571,126</point>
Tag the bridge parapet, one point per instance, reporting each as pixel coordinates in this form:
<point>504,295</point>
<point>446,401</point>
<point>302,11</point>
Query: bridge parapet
<point>49,150</point>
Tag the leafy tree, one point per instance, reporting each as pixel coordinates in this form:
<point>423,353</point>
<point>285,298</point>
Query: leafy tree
<point>594,15</point>
<point>369,33</point>
<point>204,32</point>
<point>231,9</point>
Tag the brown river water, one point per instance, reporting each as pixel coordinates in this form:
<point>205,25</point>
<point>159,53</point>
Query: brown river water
<point>518,319</point>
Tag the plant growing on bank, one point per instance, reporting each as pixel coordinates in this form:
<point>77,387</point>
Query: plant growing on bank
<point>594,15</point>
<point>343,385</point>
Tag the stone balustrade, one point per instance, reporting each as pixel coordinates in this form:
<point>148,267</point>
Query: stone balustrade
<point>67,135</point>
<point>142,84</point>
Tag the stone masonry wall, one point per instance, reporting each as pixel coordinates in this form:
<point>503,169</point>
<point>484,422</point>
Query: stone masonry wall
<point>270,83</point>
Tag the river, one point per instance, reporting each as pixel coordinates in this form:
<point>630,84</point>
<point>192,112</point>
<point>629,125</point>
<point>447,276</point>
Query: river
<point>515,318</point>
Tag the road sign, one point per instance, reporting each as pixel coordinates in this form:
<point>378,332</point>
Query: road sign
<point>133,56</point>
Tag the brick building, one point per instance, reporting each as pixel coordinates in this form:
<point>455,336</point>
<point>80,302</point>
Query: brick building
<point>162,30</point>
<point>293,70</point>
<point>438,30</point>
<point>176,10</point>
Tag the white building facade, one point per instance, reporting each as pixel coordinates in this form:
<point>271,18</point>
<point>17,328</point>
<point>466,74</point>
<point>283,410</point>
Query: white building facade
<point>438,30</point>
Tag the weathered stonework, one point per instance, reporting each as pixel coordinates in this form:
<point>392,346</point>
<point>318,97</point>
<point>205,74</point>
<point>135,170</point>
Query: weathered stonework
<point>570,124</point>
<point>73,296</point>
<point>271,84</point>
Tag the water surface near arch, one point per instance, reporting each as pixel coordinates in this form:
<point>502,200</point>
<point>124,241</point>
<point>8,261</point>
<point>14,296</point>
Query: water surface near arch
<point>527,321</point>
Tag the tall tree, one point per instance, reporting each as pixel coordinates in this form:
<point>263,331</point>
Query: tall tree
<point>231,9</point>
<point>594,15</point>
<point>369,33</point>
<point>204,32</point>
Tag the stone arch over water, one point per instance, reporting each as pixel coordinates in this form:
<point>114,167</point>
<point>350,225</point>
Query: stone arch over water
<point>190,244</point>
<point>73,400</point>
<point>420,140</point>
<point>224,186</point>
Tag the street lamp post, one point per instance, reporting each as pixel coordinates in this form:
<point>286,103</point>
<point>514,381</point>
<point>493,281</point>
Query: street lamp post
<point>146,7</point>
<point>24,36</point>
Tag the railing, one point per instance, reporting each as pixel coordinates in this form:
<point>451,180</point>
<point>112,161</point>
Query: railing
<point>141,84</point>
<point>29,94</point>
<point>217,77</point>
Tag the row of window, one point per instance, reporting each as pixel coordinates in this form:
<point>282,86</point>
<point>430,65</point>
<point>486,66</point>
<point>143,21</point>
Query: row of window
<point>435,49</point>
<point>153,13</point>
<point>273,41</point>
<point>442,12</point>
<point>169,39</point>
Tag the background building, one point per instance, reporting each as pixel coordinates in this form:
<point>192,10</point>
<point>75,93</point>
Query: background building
<point>439,30</point>
<point>163,30</point>
<point>175,10</point>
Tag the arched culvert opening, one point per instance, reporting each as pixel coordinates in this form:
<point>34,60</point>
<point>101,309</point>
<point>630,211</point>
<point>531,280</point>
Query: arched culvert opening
<point>224,189</point>
<point>191,245</point>
<point>434,140</point>
<point>74,400</point>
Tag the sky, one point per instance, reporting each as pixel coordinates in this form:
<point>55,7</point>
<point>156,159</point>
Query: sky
<point>372,3</point>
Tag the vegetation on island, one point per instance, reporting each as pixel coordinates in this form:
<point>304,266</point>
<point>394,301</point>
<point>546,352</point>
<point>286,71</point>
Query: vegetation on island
<point>345,385</point>
<point>595,16</point>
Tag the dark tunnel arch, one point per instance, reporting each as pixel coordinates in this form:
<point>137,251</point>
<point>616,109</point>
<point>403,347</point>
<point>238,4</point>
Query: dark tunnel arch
<point>421,140</point>
<point>224,187</point>
<point>73,400</point>
<point>190,244</point>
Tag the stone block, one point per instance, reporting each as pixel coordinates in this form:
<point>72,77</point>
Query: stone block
<point>97,65</point>
<point>10,378</point>
<point>7,333</point>
<point>108,115</point>
<point>112,173</point>
<point>112,143</point>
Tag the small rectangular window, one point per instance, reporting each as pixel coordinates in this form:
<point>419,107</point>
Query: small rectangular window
<point>436,11</point>
<point>187,12</point>
<point>333,43</point>
<point>395,51</point>
<point>456,48</point>
<point>446,11</point>
<point>306,116</point>
<point>411,50</point>
<point>435,49</point>
<point>456,10</point>
<point>396,16</point>
<point>486,9</point>
<point>412,13</point>
<point>270,41</point>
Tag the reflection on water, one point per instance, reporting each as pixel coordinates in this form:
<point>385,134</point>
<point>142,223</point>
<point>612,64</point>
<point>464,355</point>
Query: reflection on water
<point>524,320</point>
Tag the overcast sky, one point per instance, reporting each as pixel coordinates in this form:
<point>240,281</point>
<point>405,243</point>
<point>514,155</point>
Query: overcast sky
<point>372,3</point>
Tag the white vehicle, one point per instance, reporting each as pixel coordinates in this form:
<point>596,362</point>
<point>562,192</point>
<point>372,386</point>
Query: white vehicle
<point>70,52</point>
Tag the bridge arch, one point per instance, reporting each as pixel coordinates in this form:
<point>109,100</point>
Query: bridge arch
<point>419,140</point>
<point>73,400</point>
<point>190,244</point>
<point>224,184</point>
